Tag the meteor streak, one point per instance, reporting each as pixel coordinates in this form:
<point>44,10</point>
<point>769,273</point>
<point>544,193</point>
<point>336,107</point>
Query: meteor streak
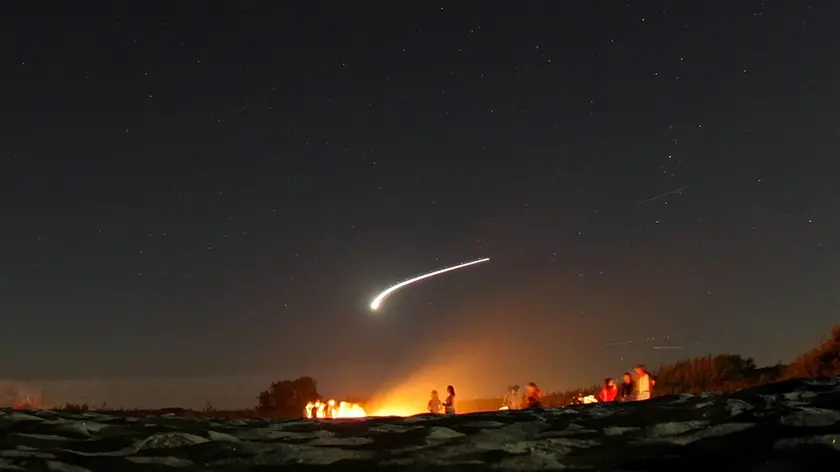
<point>374,305</point>
<point>663,195</point>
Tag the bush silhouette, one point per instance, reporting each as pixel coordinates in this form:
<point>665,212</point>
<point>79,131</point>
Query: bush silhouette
<point>820,361</point>
<point>722,372</point>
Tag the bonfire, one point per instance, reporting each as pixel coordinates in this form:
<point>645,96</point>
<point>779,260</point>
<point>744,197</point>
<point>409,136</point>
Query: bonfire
<point>26,403</point>
<point>333,409</point>
<point>19,395</point>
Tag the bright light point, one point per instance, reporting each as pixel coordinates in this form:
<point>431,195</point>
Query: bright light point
<point>377,302</point>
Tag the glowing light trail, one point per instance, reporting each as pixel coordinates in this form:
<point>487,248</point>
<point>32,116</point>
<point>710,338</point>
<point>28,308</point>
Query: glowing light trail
<point>374,305</point>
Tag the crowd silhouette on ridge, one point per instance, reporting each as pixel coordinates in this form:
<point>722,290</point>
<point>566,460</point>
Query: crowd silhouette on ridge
<point>639,388</point>
<point>513,400</point>
<point>630,390</point>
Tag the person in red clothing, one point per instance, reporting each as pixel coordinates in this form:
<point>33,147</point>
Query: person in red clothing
<point>609,392</point>
<point>534,399</point>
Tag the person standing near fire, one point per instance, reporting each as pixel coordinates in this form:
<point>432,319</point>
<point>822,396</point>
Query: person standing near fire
<point>534,399</point>
<point>627,389</point>
<point>644,383</point>
<point>449,403</point>
<point>435,406</point>
<point>609,392</point>
<point>513,400</point>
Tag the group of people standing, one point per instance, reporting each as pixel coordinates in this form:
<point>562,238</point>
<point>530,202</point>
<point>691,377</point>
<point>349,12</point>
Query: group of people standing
<point>630,389</point>
<point>513,400</point>
<point>446,407</point>
<point>532,399</point>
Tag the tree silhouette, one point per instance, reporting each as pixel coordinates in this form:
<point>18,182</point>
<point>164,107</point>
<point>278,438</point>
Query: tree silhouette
<point>287,398</point>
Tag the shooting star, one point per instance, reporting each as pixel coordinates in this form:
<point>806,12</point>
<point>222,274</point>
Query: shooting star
<point>663,195</point>
<point>374,305</point>
<point>667,347</point>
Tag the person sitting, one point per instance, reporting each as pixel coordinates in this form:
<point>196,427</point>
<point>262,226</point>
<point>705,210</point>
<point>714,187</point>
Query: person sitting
<point>627,389</point>
<point>435,406</point>
<point>534,399</point>
<point>609,392</point>
<point>449,403</point>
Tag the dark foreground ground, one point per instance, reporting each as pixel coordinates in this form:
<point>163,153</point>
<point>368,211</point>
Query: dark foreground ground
<point>789,426</point>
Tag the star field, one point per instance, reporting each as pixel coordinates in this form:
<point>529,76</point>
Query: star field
<point>219,192</point>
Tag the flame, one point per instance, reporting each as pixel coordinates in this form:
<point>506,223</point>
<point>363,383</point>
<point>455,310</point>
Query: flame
<point>20,395</point>
<point>333,409</point>
<point>26,403</point>
<point>589,399</point>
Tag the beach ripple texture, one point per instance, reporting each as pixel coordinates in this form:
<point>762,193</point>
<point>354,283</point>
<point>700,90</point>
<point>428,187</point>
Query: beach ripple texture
<point>792,425</point>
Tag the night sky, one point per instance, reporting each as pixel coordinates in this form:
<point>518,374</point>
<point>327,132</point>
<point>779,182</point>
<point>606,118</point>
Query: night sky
<point>208,198</point>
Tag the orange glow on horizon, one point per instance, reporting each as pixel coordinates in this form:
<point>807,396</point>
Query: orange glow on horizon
<point>410,396</point>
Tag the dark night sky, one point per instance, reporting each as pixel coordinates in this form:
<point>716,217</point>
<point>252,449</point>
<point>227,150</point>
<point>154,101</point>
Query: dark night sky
<point>217,193</point>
